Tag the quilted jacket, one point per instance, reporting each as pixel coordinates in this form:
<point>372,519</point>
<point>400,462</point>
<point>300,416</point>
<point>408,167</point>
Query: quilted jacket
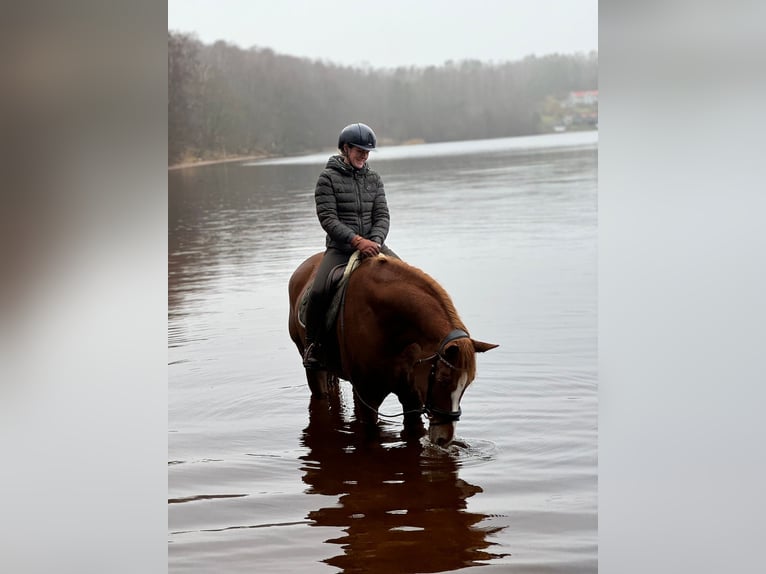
<point>351,202</point>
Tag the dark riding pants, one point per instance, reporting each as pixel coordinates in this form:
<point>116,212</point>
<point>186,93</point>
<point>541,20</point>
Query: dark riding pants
<point>319,298</point>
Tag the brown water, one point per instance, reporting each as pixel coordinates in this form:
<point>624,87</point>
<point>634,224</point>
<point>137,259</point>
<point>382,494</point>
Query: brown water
<point>258,482</point>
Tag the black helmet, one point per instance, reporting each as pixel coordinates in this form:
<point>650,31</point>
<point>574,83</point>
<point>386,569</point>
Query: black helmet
<point>358,135</point>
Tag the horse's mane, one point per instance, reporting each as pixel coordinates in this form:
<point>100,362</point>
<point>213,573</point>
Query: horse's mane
<point>467,356</point>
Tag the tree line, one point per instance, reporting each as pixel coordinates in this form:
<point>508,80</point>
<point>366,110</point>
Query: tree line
<point>226,101</point>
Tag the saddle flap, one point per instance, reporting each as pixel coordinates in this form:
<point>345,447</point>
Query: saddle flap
<point>334,277</point>
<point>337,280</point>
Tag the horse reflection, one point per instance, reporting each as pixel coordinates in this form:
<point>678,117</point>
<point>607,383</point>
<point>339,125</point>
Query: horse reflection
<point>400,511</point>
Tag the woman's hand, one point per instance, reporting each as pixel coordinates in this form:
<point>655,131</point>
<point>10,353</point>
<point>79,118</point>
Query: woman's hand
<point>367,247</point>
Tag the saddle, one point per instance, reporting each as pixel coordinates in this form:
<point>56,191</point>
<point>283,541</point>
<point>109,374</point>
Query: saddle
<point>337,280</point>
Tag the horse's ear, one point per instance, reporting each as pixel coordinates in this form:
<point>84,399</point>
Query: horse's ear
<point>480,346</point>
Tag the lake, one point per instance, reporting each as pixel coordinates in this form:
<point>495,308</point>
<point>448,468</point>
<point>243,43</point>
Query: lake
<point>258,482</point>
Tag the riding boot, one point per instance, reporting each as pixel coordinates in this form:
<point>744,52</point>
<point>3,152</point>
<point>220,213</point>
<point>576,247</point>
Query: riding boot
<point>314,317</point>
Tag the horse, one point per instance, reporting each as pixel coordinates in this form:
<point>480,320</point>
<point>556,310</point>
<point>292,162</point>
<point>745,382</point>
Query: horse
<point>398,332</point>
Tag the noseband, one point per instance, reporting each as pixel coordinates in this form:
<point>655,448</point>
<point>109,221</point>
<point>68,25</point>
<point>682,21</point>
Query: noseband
<point>436,358</point>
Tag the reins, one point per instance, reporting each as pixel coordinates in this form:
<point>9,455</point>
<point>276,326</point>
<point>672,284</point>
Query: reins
<point>419,411</point>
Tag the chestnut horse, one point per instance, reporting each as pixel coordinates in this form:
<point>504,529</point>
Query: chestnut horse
<point>397,332</point>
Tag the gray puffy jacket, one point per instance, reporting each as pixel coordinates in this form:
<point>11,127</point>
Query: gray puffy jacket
<point>351,202</point>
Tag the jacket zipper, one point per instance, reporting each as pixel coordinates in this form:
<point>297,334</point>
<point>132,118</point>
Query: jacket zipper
<point>359,205</point>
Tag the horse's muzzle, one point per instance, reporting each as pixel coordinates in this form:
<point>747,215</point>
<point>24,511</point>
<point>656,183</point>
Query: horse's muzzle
<point>441,433</point>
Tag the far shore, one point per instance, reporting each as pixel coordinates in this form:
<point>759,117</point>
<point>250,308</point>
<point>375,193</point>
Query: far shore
<point>196,163</point>
<point>213,161</point>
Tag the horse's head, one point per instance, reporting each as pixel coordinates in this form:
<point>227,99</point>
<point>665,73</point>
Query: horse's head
<point>453,368</point>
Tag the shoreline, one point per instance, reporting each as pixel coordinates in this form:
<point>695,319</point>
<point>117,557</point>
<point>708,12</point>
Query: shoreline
<point>230,159</point>
<point>214,161</point>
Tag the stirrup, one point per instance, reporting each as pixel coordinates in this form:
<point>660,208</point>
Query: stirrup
<point>310,358</point>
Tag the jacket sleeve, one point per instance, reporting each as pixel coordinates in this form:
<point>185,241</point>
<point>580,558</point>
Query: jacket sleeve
<point>327,212</point>
<point>380,216</point>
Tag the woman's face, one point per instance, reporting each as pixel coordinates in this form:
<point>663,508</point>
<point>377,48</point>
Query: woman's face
<point>357,156</point>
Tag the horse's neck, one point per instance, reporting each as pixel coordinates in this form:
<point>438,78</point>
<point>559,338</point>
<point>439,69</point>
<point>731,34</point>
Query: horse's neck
<point>424,312</point>
<point>413,300</point>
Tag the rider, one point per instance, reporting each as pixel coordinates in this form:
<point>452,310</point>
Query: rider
<point>352,209</point>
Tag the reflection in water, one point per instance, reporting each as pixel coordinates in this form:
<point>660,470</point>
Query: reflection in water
<point>400,511</point>
<point>226,221</point>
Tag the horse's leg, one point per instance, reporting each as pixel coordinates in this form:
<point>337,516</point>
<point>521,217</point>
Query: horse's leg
<point>408,396</point>
<point>413,428</point>
<point>366,408</point>
<point>333,392</point>
<point>413,419</point>
<point>326,413</point>
<point>318,383</point>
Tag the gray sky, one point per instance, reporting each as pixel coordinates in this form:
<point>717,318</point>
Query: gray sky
<point>390,33</point>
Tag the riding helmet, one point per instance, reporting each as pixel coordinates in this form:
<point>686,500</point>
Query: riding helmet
<point>358,135</point>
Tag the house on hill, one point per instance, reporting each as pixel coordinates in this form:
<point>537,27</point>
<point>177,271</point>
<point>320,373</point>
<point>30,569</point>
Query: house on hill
<point>582,98</point>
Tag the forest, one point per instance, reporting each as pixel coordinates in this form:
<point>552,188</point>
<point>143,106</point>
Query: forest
<point>225,101</point>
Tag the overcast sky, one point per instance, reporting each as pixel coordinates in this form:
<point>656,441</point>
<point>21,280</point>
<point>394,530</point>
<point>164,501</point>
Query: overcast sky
<point>390,33</point>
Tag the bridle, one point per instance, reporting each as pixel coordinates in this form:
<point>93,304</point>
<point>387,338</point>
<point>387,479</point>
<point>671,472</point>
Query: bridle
<point>428,408</point>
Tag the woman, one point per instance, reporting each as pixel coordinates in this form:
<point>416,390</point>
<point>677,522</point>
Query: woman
<point>352,209</point>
